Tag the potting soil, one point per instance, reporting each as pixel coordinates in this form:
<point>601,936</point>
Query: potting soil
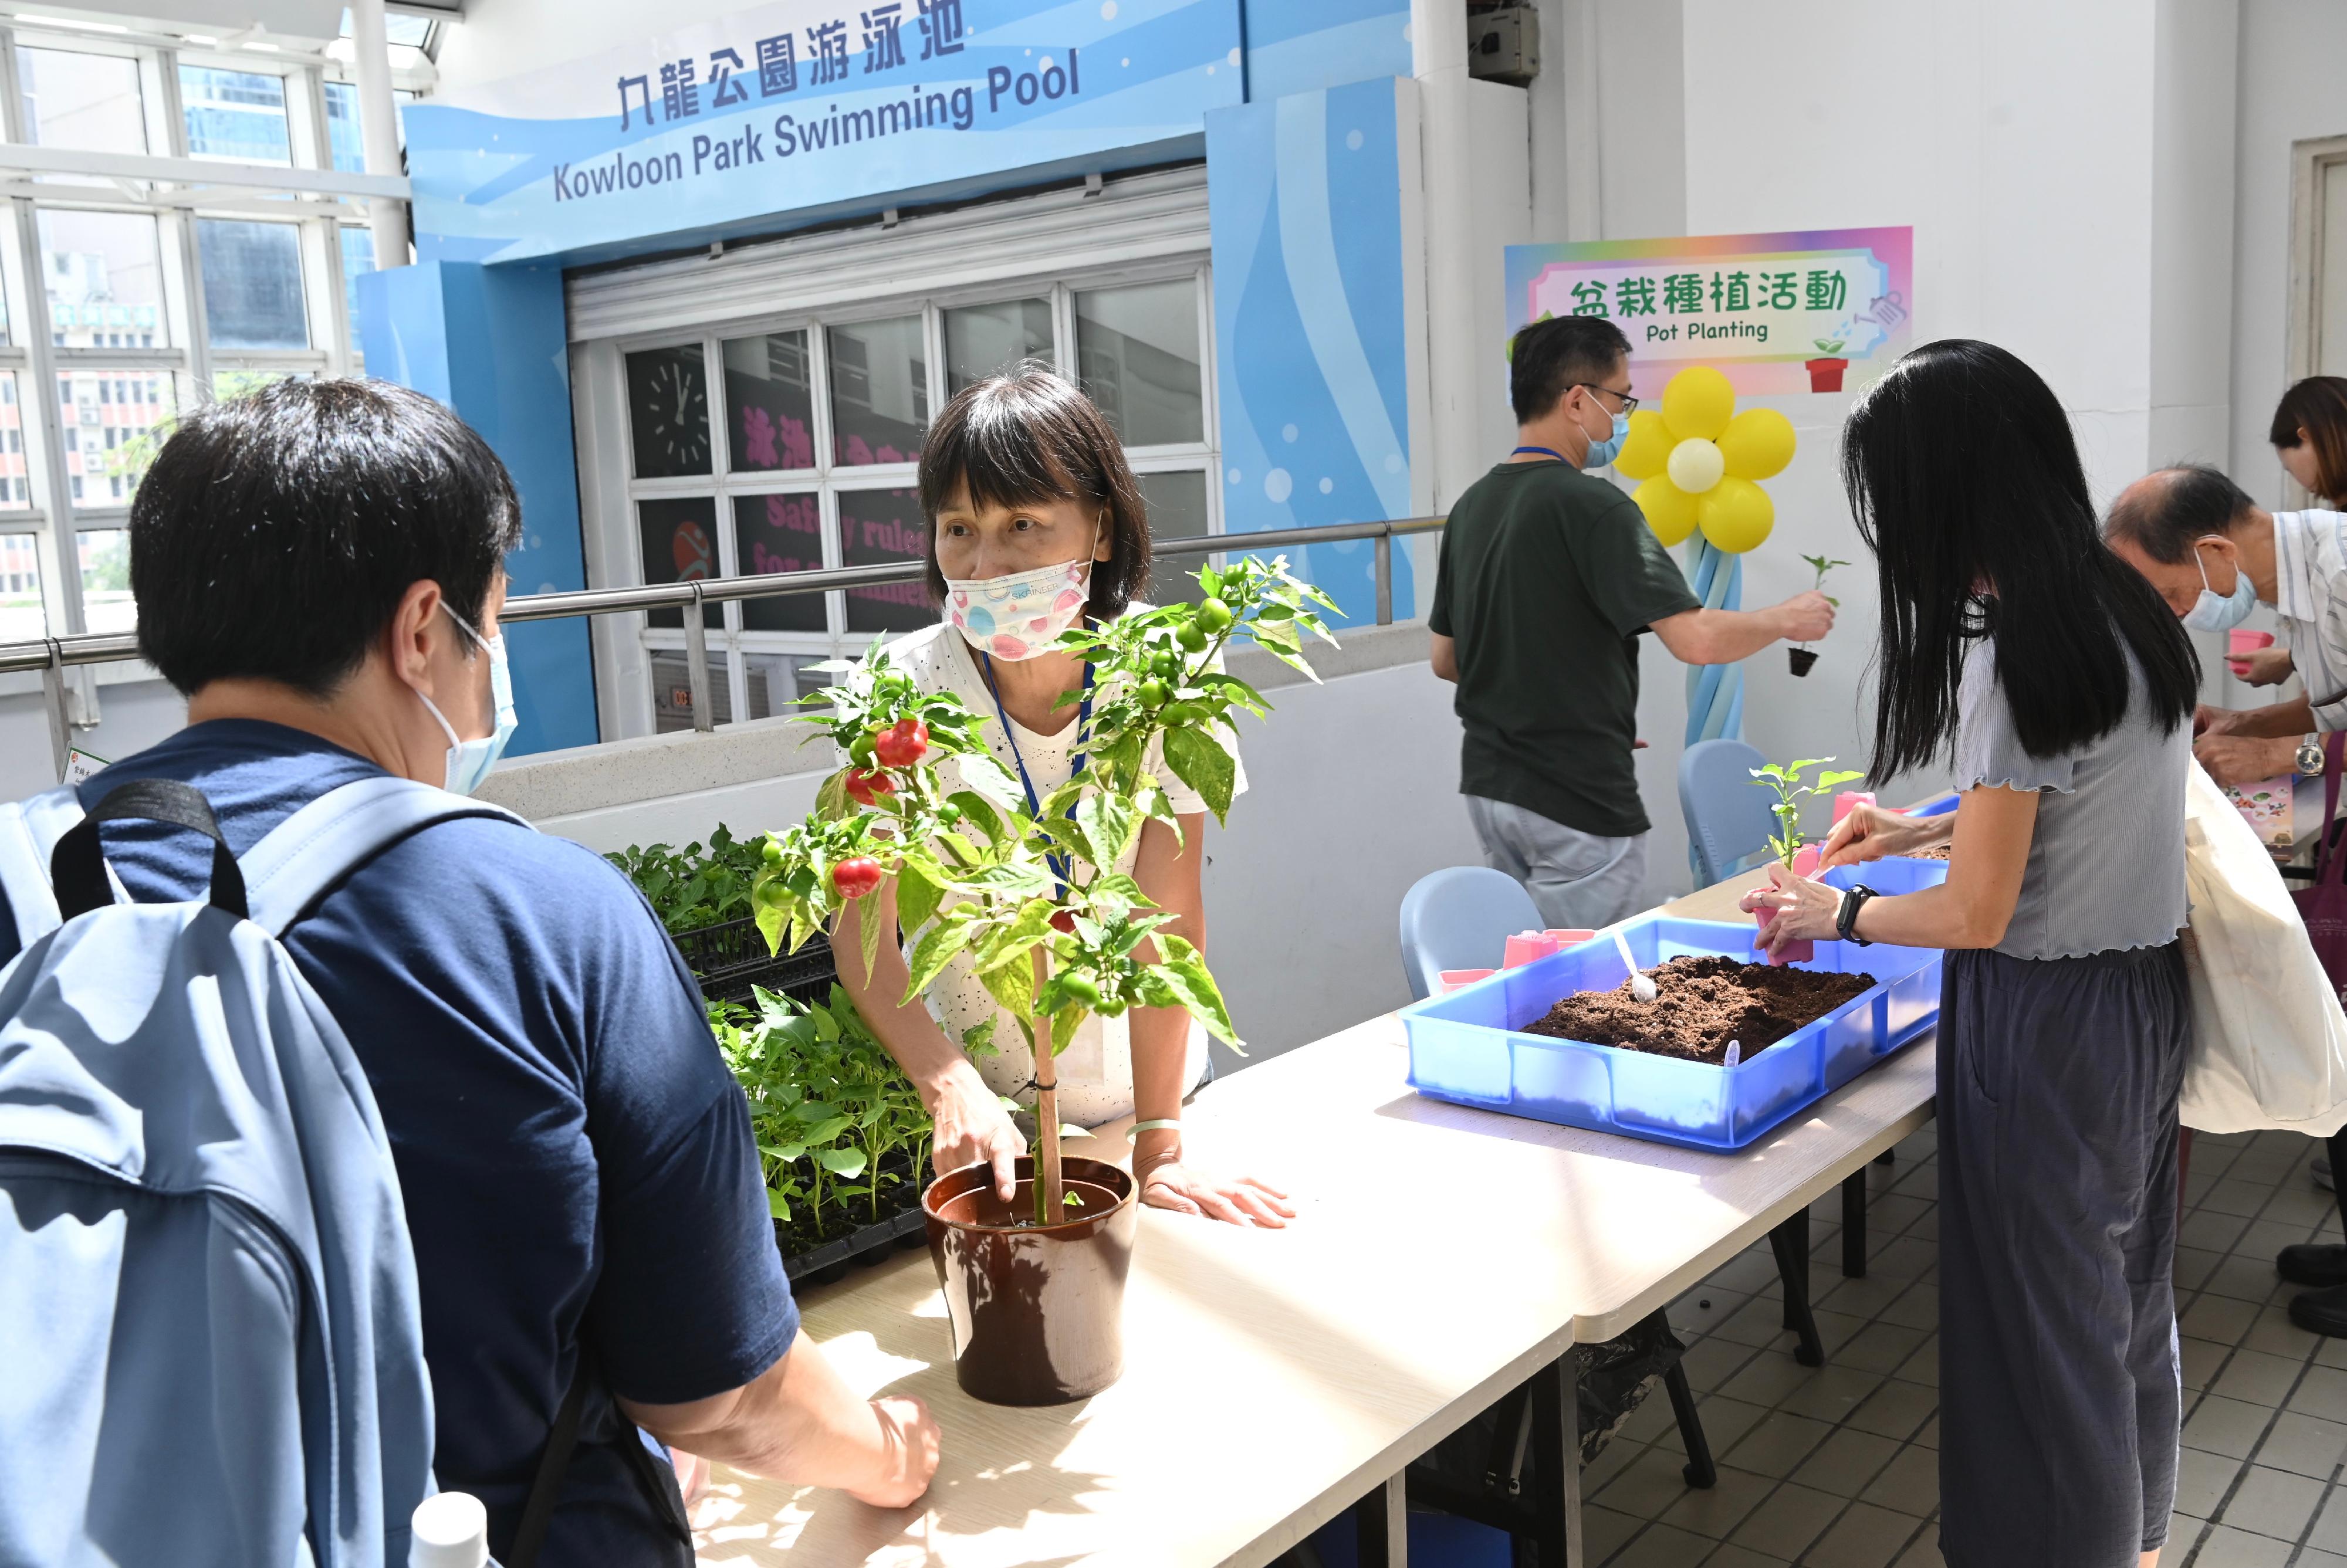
<point>1700,1005</point>
<point>1937,852</point>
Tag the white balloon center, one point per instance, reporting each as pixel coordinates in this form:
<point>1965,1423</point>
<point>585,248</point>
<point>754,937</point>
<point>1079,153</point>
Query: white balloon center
<point>1696,465</point>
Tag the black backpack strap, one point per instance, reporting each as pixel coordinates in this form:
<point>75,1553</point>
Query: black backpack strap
<point>546,1487</point>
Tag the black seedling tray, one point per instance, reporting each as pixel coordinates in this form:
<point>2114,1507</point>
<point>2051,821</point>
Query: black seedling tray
<point>732,957</point>
<point>828,1264</point>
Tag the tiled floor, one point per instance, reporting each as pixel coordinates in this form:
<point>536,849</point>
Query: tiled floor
<point>1838,1466</point>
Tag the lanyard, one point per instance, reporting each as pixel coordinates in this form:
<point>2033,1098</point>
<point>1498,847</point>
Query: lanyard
<point>1538,451</point>
<point>1058,863</point>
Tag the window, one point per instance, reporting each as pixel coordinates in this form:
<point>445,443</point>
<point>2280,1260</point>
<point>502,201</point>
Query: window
<point>103,272</point>
<point>235,116</point>
<point>802,456</point>
<point>87,101</point>
<point>104,561</point>
<point>358,256</point>
<point>344,143</point>
<point>252,284</point>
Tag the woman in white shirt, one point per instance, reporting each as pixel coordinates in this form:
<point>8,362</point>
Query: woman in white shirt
<point>1023,479</point>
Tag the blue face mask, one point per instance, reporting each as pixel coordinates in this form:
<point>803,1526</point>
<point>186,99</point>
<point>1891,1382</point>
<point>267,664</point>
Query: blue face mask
<point>1601,453</point>
<point>2212,611</point>
<point>469,762</point>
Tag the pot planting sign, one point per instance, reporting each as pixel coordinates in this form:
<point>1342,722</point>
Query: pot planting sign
<point>1824,309</point>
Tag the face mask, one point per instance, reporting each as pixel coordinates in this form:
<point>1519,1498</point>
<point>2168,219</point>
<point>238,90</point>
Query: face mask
<point>1019,616</point>
<point>1601,453</point>
<point>2213,612</point>
<point>469,762</point>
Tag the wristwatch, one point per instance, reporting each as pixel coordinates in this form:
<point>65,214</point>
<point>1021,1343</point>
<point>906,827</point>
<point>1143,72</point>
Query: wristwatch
<point>1846,917</point>
<point>2310,756</point>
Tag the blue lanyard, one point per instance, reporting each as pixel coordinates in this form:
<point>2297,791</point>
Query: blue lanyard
<point>1058,863</point>
<point>1539,451</point>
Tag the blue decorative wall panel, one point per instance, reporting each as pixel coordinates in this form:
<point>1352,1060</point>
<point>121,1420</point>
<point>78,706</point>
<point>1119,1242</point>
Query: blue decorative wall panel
<point>1297,46</point>
<point>490,343</point>
<point>1312,317</point>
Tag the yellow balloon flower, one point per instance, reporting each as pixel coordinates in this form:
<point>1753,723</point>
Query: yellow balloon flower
<point>1699,401</point>
<point>1735,515</point>
<point>1670,511</point>
<point>1757,444</point>
<point>1698,459</point>
<point>1646,448</point>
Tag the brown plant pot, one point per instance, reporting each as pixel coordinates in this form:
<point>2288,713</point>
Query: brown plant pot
<point>1802,659</point>
<point>1038,1314</point>
<point>1825,374</point>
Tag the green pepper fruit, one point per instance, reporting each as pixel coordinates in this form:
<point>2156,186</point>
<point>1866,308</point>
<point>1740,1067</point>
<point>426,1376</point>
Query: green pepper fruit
<point>1152,694</point>
<point>860,750</point>
<point>1193,636</point>
<point>1081,987</point>
<point>1215,616</point>
<point>772,854</point>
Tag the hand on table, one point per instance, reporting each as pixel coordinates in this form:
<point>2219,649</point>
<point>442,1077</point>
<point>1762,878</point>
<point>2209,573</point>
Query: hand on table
<point>1171,1185</point>
<point>1873,832</point>
<point>2266,667</point>
<point>2245,759</point>
<point>971,1127</point>
<point>908,1448</point>
<point>1805,909</point>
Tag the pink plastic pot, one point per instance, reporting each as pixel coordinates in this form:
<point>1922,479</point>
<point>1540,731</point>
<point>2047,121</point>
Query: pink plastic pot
<point>1806,858</point>
<point>1526,946</point>
<point>1453,979</point>
<point>2238,642</point>
<point>1799,952</point>
<point>1851,800</point>
<point>1570,939</point>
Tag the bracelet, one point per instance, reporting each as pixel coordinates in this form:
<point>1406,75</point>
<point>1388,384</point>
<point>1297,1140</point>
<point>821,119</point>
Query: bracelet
<point>1138,1128</point>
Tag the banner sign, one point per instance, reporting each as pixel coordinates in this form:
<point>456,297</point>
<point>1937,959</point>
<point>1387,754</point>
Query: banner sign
<point>805,104</point>
<point>1825,310</point>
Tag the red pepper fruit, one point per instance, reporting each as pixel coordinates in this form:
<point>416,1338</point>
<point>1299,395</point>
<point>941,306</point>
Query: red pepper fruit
<point>1063,921</point>
<point>856,877</point>
<point>862,784</point>
<point>902,743</point>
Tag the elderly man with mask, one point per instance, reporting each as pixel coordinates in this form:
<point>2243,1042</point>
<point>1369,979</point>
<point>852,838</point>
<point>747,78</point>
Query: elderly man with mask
<point>2215,555</point>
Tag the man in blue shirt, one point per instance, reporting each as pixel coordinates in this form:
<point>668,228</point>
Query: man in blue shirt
<point>319,568</point>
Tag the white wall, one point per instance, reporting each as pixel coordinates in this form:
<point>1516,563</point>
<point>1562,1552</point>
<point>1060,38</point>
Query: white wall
<point>2292,87</point>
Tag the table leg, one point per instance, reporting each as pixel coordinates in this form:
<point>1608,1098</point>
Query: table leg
<point>1853,1225</point>
<point>1556,1456</point>
<point>1381,1522</point>
<point>1789,1241</point>
<point>1795,1232</point>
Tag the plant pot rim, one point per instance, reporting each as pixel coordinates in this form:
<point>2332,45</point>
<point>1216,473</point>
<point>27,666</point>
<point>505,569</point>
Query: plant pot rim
<point>1117,1180</point>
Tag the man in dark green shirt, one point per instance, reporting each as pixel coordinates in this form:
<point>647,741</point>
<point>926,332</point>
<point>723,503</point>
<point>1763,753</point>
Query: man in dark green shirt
<point>1548,576</point>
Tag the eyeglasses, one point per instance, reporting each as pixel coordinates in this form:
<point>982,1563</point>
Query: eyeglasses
<point>1629,403</point>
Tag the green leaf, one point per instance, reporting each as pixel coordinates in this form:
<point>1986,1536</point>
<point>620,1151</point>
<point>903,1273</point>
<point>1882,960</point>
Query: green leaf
<point>824,1132</point>
<point>1109,823</point>
<point>932,953</point>
<point>846,1163</point>
<point>981,812</point>
<point>776,1207</point>
<point>1012,984</point>
<point>917,896</point>
<point>1827,781</point>
<point>1070,1130</point>
<point>868,929</point>
<point>1199,760</point>
<point>831,802</point>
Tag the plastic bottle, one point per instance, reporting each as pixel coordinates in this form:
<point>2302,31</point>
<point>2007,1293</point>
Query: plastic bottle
<point>452,1531</point>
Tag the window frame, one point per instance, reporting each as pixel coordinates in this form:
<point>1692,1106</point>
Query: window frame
<point>185,356</point>
<point>627,645</point>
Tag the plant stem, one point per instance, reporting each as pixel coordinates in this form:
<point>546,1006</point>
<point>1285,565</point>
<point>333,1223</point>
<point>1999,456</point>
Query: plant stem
<point>1048,1204</point>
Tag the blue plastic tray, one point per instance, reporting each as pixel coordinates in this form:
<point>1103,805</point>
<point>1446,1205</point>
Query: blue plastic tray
<point>1468,1047</point>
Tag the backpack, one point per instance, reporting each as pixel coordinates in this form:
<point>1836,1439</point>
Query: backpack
<point>207,1300</point>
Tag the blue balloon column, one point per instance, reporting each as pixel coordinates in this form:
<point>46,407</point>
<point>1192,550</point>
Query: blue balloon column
<point>1715,692</point>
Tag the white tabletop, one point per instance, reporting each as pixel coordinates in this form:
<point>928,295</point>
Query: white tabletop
<point>1441,1256</point>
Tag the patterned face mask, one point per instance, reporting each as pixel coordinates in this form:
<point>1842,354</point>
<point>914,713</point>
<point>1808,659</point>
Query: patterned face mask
<point>1019,616</point>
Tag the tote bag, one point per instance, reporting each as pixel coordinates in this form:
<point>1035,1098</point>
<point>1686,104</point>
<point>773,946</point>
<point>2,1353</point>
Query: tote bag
<point>2268,1047</point>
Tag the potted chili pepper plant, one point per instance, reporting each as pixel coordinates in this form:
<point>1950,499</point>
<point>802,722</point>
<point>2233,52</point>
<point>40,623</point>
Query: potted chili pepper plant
<point>1801,657</point>
<point>1034,1288</point>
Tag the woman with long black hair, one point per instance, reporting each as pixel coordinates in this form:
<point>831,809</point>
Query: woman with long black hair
<point>2065,687</point>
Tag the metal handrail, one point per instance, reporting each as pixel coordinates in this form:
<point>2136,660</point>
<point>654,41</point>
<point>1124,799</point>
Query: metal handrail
<point>53,655</point>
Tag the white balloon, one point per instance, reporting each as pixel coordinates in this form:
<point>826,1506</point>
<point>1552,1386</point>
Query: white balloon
<point>1695,465</point>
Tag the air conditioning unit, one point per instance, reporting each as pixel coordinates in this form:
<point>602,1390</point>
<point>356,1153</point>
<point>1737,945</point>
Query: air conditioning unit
<point>1504,44</point>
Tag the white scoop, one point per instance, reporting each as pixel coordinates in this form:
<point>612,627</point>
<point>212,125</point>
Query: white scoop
<point>1641,986</point>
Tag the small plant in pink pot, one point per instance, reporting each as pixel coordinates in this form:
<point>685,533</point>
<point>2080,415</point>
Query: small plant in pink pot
<point>1797,856</point>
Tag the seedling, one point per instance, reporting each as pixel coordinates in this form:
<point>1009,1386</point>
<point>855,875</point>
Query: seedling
<point>1785,782</point>
<point>1821,565</point>
<point>1040,899</point>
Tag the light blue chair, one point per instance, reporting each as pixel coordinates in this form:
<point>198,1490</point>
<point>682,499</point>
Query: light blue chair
<point>1726,811</point>
<point>1461,917</point>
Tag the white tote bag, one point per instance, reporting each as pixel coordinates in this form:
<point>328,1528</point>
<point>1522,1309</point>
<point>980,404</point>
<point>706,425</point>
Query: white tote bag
<point>2268,1043</point>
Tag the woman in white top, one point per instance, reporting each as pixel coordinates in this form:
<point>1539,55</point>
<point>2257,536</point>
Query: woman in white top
<point>1022,478</point>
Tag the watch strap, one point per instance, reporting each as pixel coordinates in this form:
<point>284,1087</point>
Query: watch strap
<point>1846,919</point>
